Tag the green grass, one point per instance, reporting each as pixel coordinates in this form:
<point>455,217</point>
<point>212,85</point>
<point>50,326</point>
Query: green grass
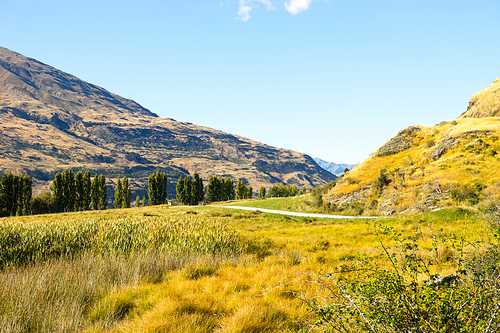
<point>301,203</point>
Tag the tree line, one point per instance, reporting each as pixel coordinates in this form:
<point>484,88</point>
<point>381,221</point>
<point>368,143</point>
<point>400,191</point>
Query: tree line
<point>79,192</point>
<point>15,194</point>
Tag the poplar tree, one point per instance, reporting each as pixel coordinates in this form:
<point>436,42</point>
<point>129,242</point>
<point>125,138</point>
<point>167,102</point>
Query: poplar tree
<point>103,193</point>
<point>58,192</point>
<point>138,201</point>
<point>80,192</point>
<point>94,193</point>
<point>118,194</point>
<point>26,194</point>
<point>157,188</point>
<point>262,192</point>
<point>179,189</point>
<point>212,189</point>
<point>10,193</point>
<point>87,191</point>
<point>228,189</point>
<point>69,190</point>
<point>197,193</point>
<point>240,190</point>
<point>126,193</point>
<point>249,192</point>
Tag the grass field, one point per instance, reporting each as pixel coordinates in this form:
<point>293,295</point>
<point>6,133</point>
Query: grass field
<point>140,285</point>
<point>300,203</point>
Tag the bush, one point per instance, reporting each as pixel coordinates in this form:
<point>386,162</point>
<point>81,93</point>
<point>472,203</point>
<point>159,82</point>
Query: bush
<point>468,193</point>
<point>366,297</point>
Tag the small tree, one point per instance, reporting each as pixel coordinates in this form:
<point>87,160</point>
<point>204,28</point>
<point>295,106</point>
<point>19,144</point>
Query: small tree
<point>157,188</point>
<point>179,189</point>
<point>79,192</point>
<point>197,194</point>
<point>103,193</point>
<point>249,192</point>
<point>240,190</point>
<point>87,191</point>
<point>262,192</point>
<point>126,193</point>
<point>138,201</point>
<point>94,192</point>
<point>118,195</point>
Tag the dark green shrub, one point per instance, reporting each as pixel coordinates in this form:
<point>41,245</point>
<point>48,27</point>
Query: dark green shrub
<point>366,297</point>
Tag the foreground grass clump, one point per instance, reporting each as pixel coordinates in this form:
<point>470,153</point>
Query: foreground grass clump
<point>68,295</point>
<point>27,241</point>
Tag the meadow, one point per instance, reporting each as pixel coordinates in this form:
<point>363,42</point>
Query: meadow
<point>198,269</point>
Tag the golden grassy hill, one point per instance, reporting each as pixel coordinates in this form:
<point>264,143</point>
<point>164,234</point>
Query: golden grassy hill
<point>485,103</point>
<point>428,168</point>
<point>51,121</point>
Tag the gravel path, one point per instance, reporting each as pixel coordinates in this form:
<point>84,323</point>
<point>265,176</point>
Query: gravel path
<point>282,212</point>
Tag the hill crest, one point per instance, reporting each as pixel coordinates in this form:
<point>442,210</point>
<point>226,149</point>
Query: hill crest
<point>427,168</point>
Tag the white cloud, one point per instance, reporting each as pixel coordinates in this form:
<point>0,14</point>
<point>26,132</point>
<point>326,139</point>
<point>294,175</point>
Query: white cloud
<point>244,11</point>
<point>247,5</point>
<point>296,6</point>
<point>292,6</point>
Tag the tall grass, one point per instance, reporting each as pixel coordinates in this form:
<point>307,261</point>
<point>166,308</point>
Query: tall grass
<point>29,241</point>
<point>68,295</point>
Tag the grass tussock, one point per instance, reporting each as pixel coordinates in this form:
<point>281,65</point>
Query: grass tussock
<point>66,295</point>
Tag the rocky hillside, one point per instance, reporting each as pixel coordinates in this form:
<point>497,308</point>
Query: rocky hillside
<point>426,168</point>
<point>51,120</point>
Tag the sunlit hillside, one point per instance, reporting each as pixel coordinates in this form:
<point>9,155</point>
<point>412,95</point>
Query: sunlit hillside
<point>426,168</point>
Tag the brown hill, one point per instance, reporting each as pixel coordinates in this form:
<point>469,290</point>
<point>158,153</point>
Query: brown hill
<point>427,168</point>
<point>51,121</point>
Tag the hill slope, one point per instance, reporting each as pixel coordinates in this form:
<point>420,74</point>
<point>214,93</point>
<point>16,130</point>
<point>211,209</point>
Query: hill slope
<point>428,168</point>
<point>51,120</point>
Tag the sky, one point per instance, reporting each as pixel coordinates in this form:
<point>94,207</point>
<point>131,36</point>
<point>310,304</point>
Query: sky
<point>334,79</point>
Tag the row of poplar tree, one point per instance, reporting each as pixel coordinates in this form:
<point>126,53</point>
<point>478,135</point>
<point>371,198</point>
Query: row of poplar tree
<point>79,192</point>
<point>15,194</point>
<point>74,193</point>
<point>190,190</point>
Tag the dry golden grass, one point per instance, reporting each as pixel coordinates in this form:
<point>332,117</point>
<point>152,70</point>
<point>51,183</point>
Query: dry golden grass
<point>414,174</point>
<point>192,293</point>
<point>485,103</point>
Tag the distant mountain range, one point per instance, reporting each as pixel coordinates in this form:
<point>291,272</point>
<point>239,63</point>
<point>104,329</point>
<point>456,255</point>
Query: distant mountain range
<point>336,169</point>
<point>51,121</point>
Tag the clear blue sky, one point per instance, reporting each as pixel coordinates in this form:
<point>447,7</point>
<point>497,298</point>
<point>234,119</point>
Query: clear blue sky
<point>333,79</point>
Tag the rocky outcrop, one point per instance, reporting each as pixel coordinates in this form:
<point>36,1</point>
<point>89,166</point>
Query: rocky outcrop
<point>402,141</point>
<point>485,103</point>
<point>443,147</point>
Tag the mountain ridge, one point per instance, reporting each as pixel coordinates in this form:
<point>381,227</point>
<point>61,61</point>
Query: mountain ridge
<point>51,120</point>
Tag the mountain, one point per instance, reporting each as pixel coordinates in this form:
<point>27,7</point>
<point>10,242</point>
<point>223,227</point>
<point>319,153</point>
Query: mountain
<point>336,169</point>
<point>426,168</point>
<point>51,121</point>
